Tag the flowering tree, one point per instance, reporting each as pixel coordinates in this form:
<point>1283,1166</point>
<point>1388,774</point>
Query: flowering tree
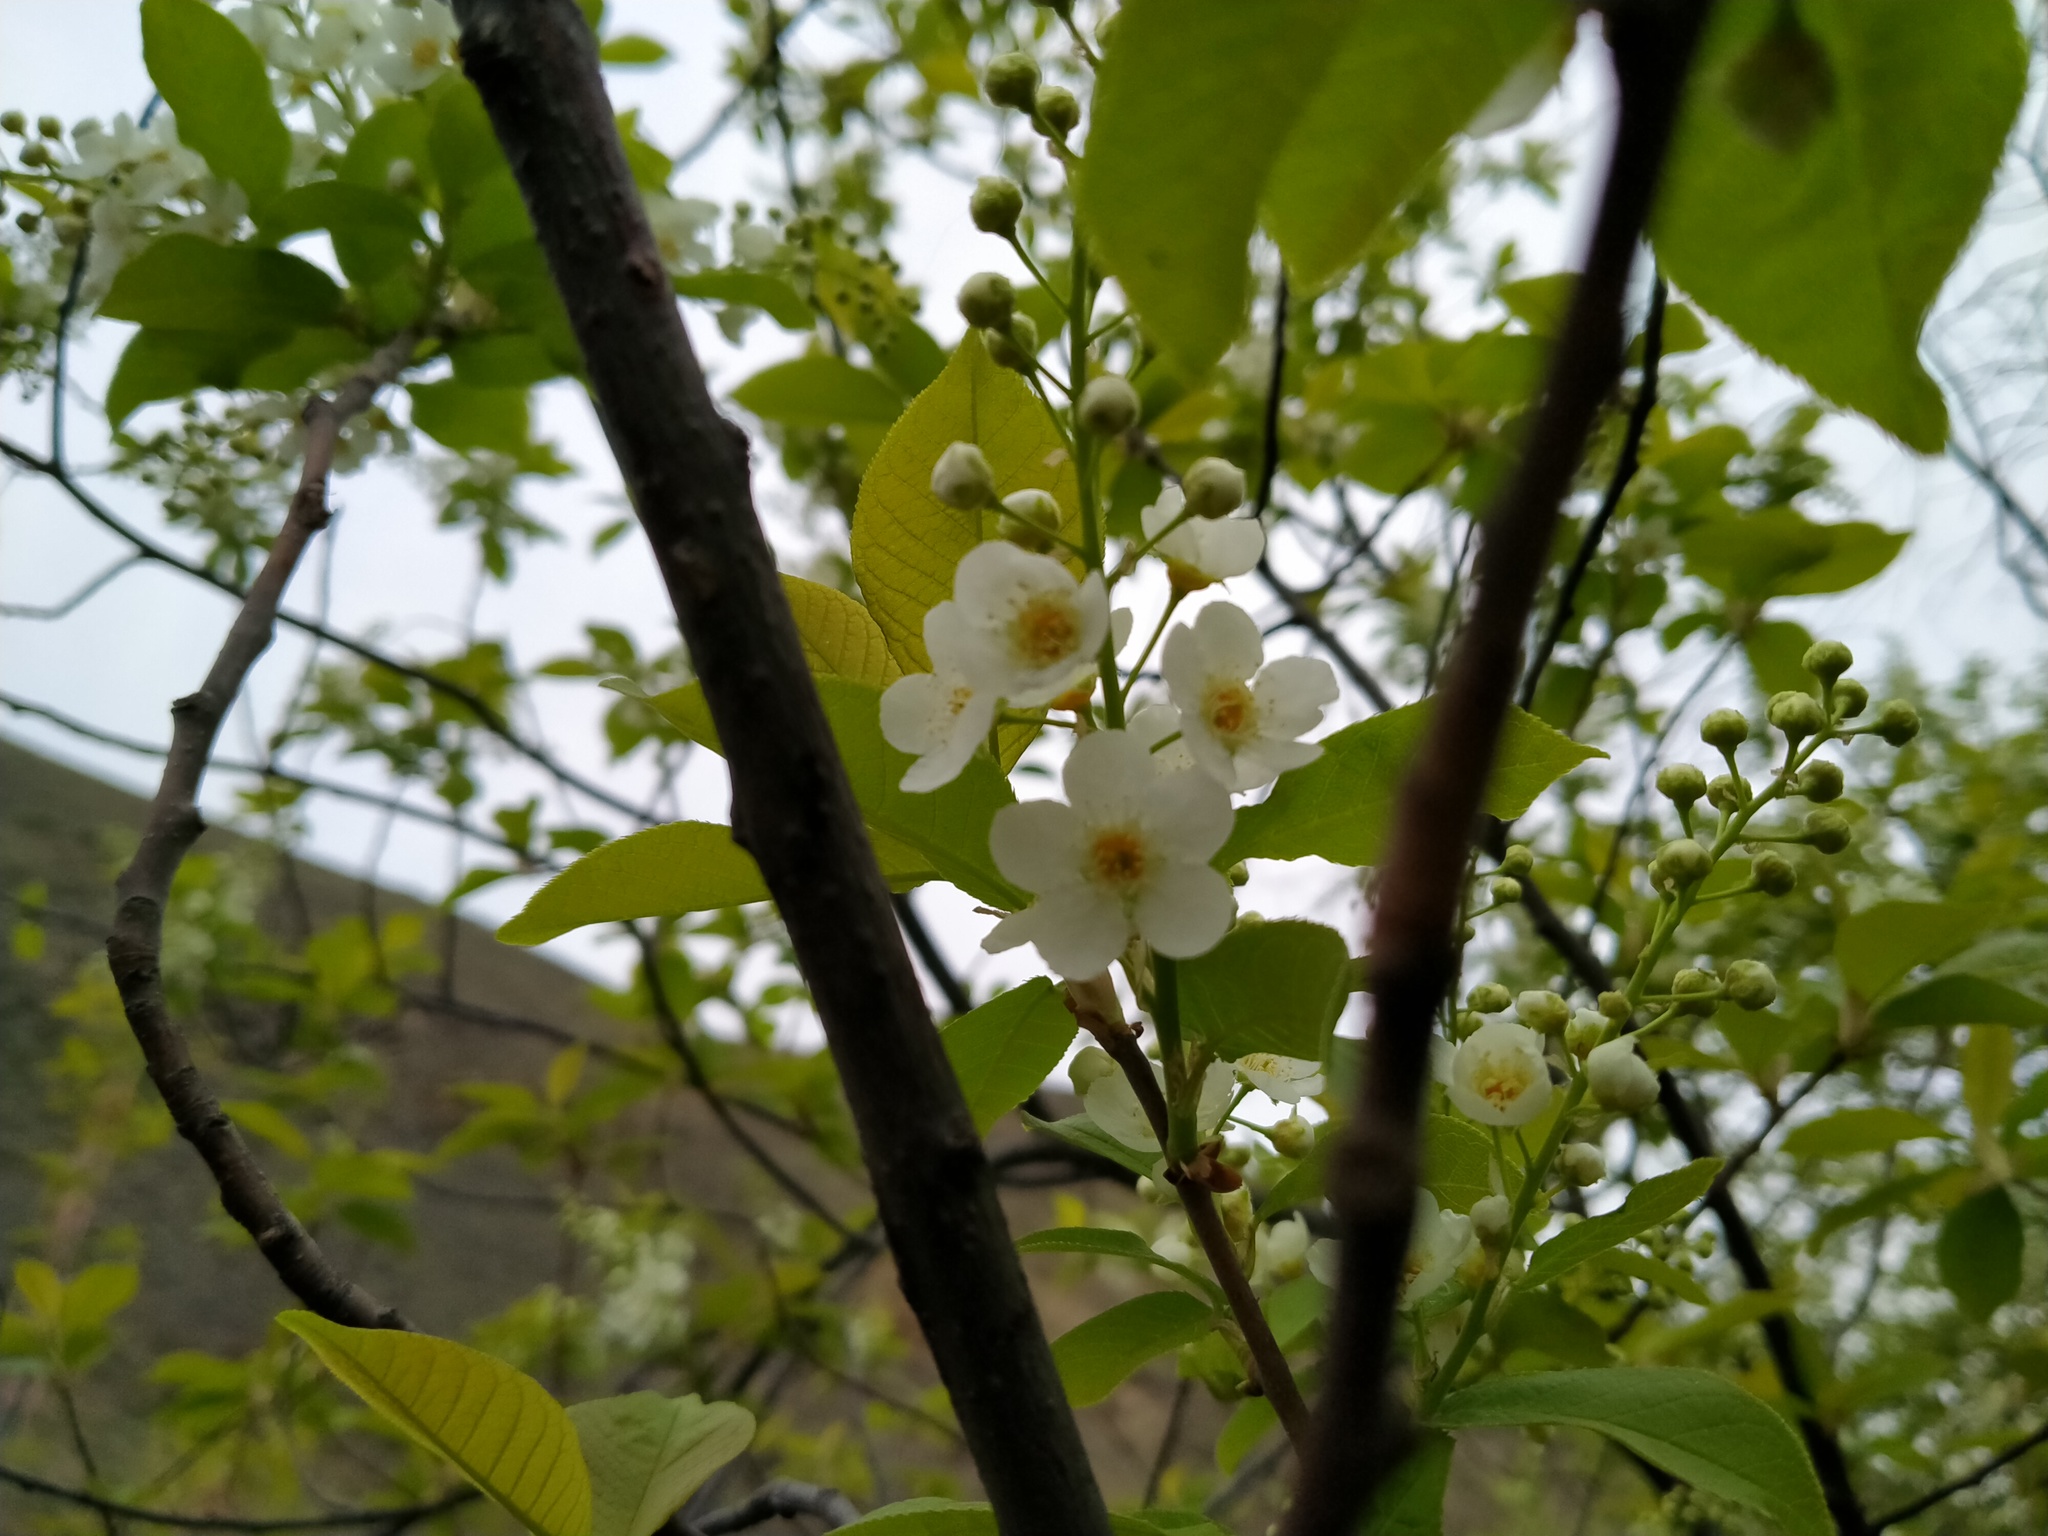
<point>1481,1211</point>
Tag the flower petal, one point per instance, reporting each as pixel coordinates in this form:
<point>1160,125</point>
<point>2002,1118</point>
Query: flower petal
<point>1038,845</point>
<point>1231,546</point>
<point>1231,638</point>
<point>1108,776</point>
<point>1185,911</point>
<point>1078,929</point>
<point>1186,815</point>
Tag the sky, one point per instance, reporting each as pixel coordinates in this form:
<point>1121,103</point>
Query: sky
<point>385,570</point>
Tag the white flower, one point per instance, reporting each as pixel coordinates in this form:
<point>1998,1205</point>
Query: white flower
<point>1323,1255</point>
<point>1440,1243</point>
<point>1152,725</point>
<point>1283,1253</point>
<point>680,225</point>
<point>408,49</point>
<point>1241,720</point>
<point>1619,1078</point>
<point>1112,1103</point>
<point>1499,1076</point>
<point>939,717</point>
<point>1490,1217</point>
<point>1129,853</point>
<point>1204,548</point>
<point>1582,1162</point>
<point>1029,631</point>
<point>755,245</point>
<point>1283,1079</point>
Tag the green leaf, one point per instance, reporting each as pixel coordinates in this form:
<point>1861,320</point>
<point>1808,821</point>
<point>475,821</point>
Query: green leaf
<point>820,390</point>
<point>1353,100</point>
<point>1300,1185</point>
<point>502,360</point>
<point>1457,1162</point>
<point>185,282</point>
<point>1778,552</point>
<point>1880,944</point>
<point>906,542</point>
<point>311,351</point>
<point>462,149</point>
<point>951,1517</point>
<point>1961,1000</point>
<point>1827,258</point>
<point>1275,987</point>
<point>840,637</point>
<point>1979,1252</point>
<point>1250,1422</point>
<point>1095,1357</point>
<point>648,1453</point>
<point>631,48</point>
<point>1411,1500</point>
<point>1650,1204</point>
<point>1003,1050</point>
<point>498,1427</point>
<point>465,418</point>
<point>1696,1426</point>
<point>1112,1243</point>
<point>271,1123</point>
<point>395,131</point>
<point>755,290</point>
<point>1640,1266</point>
<point>213,78</point>
<point>164,365</point>
<point>1080,1131</point>
<point>1544,1323</point>
<point>1847,1132</point>
<point>1341,806</point>
<point>373,230</point>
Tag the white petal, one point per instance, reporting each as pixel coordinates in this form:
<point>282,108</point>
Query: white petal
<point>1186,815</point>
<point>914,713</point>
<point>1153,724</point>
<point>1120,622</point>
<point>943,763</point>
<point>1264,760</point>
<point>1323,1257</point>
<point>1038,845</point>
<point>1231,638</point>
<point>1213,758</point>
<point>1292,692</point>
<point>1186,911</point>
<point>995,576</point>
<point>1108,777</point>
<point>1184,665</point>
<point>1231,546</point>
<point>1161,513</point>
<point>1112,1103</point>
<point>1284,1079</point>
<point>944,629</point>
<point>1219,1087</point>
<point>1078,930</point>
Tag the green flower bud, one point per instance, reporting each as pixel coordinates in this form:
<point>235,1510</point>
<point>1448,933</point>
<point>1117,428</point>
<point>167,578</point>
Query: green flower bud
<point>1725,793</point>
<point>1827,831</point>
<point>1681,862</point>
<point>70,229</point>
<point>1750,985</point>
<point>1017,347</point>
<point>33,153</point>
<point>1157,1192</point>
<point>1798,715</point>
<point>1517,861</point>
<point>1544,1012</point>
<point>1582,1163</point>
<point>50,127</point>
<point>1681,784</point>
<point>1490,1215</point>
<point>962,478</point>
<point>1614,1005</point>
<point>1698,986</point>
<point>1504,891</point>
<point>1239,873</point>
<point>1213,487</point>
<point>1109,406</point>
<point>1821,781</point>
<point>1586,1030</point>
<point>1489,997</point>
<point>13,122</point>
<point>1851,699</point>
<point>1233,1154</point>
<point>28,221</point>
<point>1057,109</point>
<point>1898,722</point>
<point>1030,518</point>
<point>1464,1021</point>
<point>1090,1066</point>
<point>987,300</point>
<point>1782,86</point>
<point>1011,80</point>
<point>1293,1137</point>
<point>1827,659</point>
<point>1773,874</point>
<point>1724,730</point>
<point>995,205</point>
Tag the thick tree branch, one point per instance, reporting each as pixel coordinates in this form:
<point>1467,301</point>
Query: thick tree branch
<point>135,947</point>
<point>685,467</point>
<point>395,1519</point>
<point>1375,1166</point>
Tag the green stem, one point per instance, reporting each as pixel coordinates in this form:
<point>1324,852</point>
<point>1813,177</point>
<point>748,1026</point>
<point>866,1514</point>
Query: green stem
<point>1043,281</point>
<point>1146,654</point>
<point>1084,447</point>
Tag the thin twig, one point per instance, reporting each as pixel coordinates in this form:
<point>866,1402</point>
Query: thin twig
<point>1963,1484</point>
<point>1739,1158</point>
<point>780,1500</point>
<point>1276,381</point>
<point>396,1519</point>
<point>135,947</point>
<point>1169,1439</point>
<point>1301,614</point>
<point>43,613</point>
<point>931,957</point>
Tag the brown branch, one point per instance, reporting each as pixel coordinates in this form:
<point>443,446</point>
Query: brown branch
<point>780,1500</point>
<point>1963,1484</point>
<point>534,62</point>
<point>135,947</point>
<point>1780,1108</point>
<point>1375,1167</point>
<point>394,1519</point>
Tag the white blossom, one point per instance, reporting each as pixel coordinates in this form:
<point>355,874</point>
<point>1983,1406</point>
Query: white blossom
<point>681,226</point>
<point>1499,1076</point>
<point>1240,719</point>
<point>1154,724</point>
<point>1283,1079</point>
<point>1210,549</point>
<point>1112,1103</point>
<point>1619,1078</point>
<point>1029,631</point>
<point>1438,1246</point>
<point>1283,1253</point>
<point>939,717</point>
<point>410,48</point>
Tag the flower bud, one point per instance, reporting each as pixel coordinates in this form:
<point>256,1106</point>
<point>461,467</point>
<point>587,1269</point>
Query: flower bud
<point>1489,1216</point>
<point>1681,784</point>
<point>1504,891</point>
<point>1233,1154</point>
<point>1773,874</point>
<point>1582,1163</point>
<point>1091,1064</point>
<point>1237,1213</point>
<point>28,221</point>
<point>1619,1079</point>
<point>1293,1137</point>
<point>33,153</point>
<point>1827,660</point>
<point>1749,985</point>
<point>1489,997</point>
<point>1157,1191</point>
<point>1030,518</point>
<point>1681,862</point>
<point>1586,1030</point>
<point>1517,861</point>
<point>1827,831</point>
<point>1239,873</point>
<point>1614,1005</point>
<point>1726,793</point>
<point>995,205</point>
<point>1011,80</point>
<point>1213,487</point>
<point>13,122</point>
<point>1057,110</point>
<point>1724,730</point>
<point>1017,347</point>
<point>50,127</point>
<point>1821,781</point>
<point>1851,699</point>
<point>1544,1012</point>
<point>1109,406</point>
<point>987,300</point>
<point>962,478</point>
<point>1798,715</point>
<point>1700,987</point>
<point>1898,722</point>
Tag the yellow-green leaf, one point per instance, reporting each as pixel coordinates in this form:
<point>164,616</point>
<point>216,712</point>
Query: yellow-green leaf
<point>1004,1049</point>
<point>648,1453</point>
<point>498,1427</point>
<point>906,542</point>
<point>840,636</point>
<point>1096,1356</point>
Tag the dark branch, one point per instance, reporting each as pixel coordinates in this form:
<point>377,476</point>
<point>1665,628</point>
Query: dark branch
<point>781,1500</point>
<point>1359,1428</point>
<point>135,947</point>
<point>1963,1484</point>
<point>43,613</point>
<point>928,954</point>
<point>534,62</point>
<point>394,1519</point>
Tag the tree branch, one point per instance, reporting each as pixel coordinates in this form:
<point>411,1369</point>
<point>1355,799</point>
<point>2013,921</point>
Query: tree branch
<point>1963,1484</point>
<point>534,62</point>
<point>135,947</point>
<point>1376,1164</point>
<point>779,1500</point>
<point>395,1519</point>
<point>44,612</point>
